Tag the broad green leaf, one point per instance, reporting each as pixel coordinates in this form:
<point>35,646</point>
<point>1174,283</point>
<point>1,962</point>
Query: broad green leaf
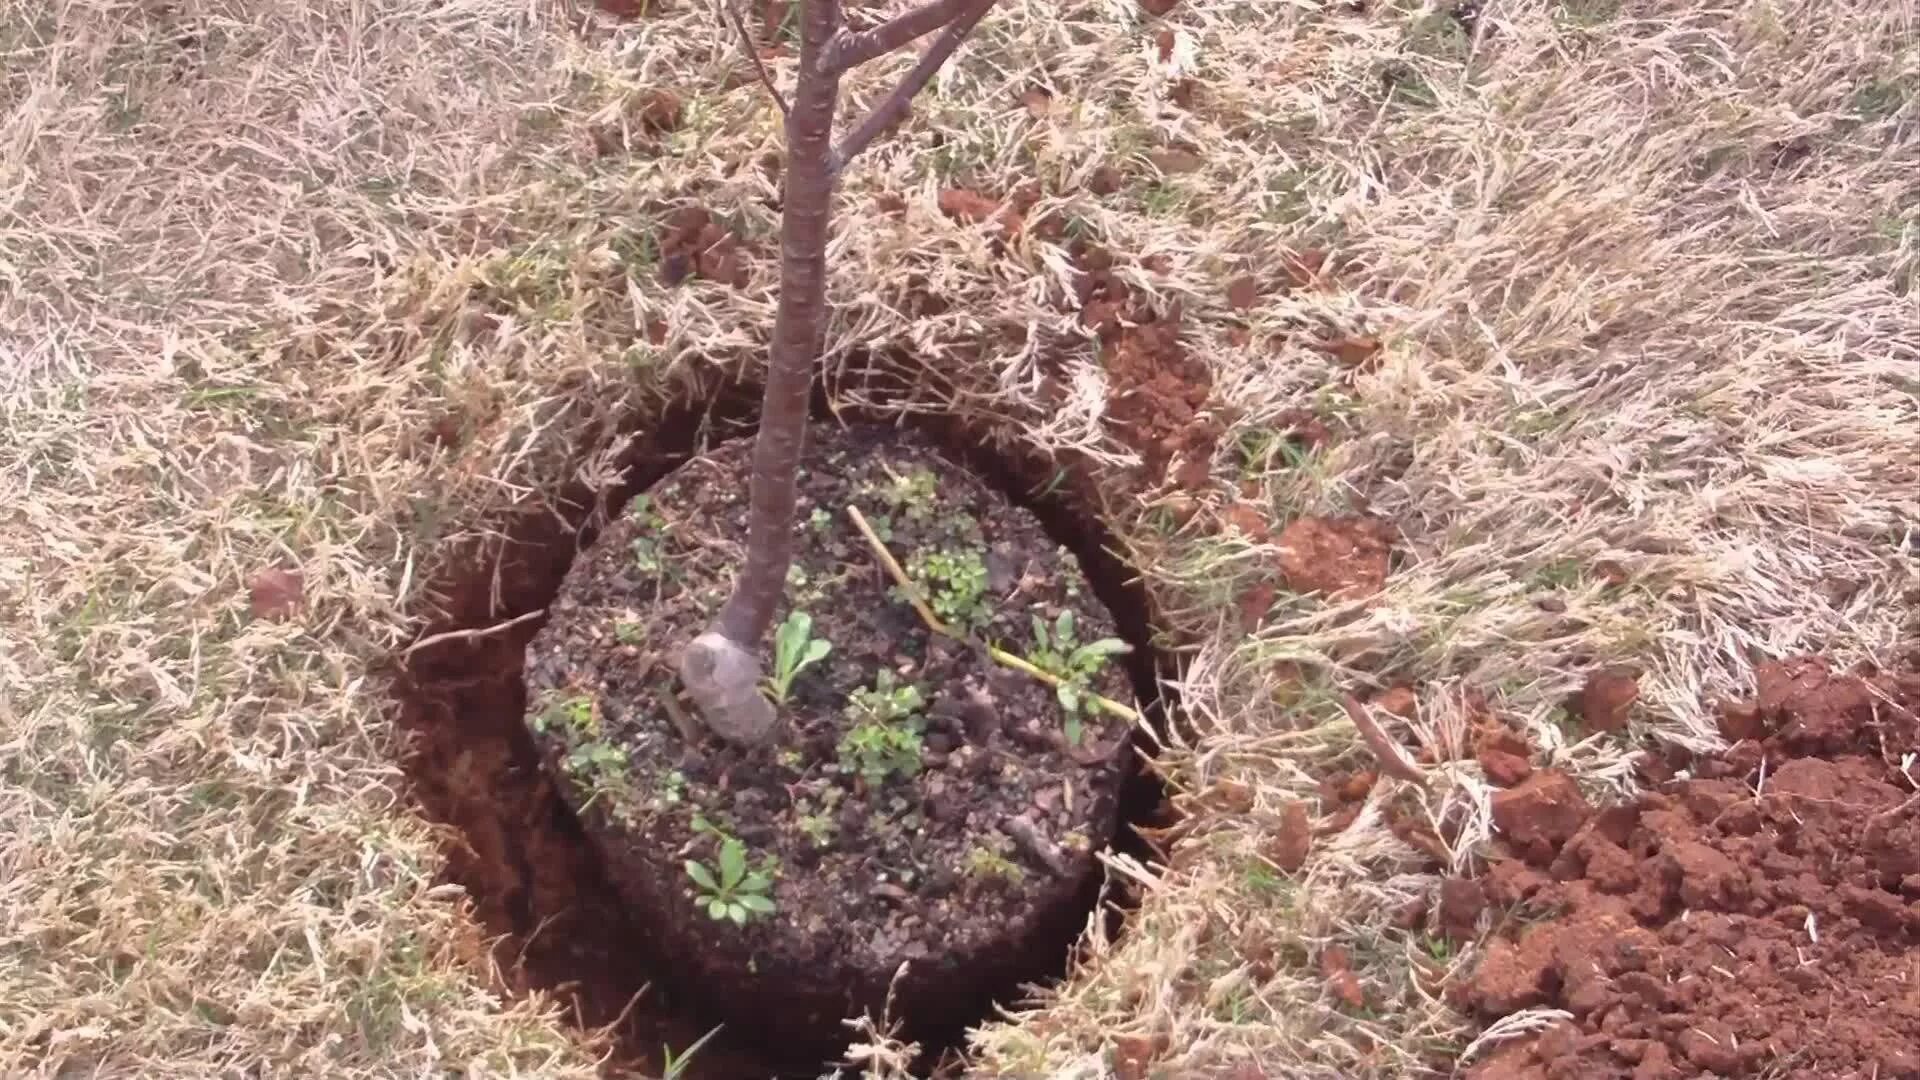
<point>756,882</point>
<point>716,909</point>
<point>737,913</point>
<point>756,902</point>
<point>1039,631</point>
<point>1069,697</point>
<point>1063,629</point>
<point>1075,731</point>
<point>817,649</point>
<point>701,876</point>
<point>733,864</point>
<point>1108,646</point>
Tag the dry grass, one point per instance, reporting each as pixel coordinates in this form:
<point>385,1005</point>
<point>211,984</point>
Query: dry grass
<point>1644,272</point>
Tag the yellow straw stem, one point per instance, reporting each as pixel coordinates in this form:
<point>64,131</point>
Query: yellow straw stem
<point>999,655</point>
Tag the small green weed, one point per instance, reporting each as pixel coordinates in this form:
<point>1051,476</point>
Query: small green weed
<point>574,714</point>
<point>733,892</point>
<point>984,862</point>
<point>955,584</point>
<point>646,546</point>
<point>818,826</point>
<point>674,1066</point>
<point>1058,652</point>
<point>673,787</point>
<point>885,739</point>
<point>819,519</point>
<point>794,649</point>
<point>1878,98</point>
<point>913,494</point>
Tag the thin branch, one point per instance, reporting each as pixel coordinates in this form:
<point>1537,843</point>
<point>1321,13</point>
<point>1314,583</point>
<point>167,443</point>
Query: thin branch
<point>848,51</point>
<point>1393,760</point>
<point>900,99</point>
<point>753,53</point>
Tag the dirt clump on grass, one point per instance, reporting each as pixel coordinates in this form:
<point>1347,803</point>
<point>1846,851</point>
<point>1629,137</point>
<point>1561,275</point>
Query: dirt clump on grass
<point>1158,393</point>
<point>1757,916</point>
<point>927,805</point>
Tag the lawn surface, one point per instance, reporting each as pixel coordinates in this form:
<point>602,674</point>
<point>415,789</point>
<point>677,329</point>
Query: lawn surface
<point>1614,327</point>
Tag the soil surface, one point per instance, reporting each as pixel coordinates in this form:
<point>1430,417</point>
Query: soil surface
<point>929,806</point>
<point>1757,916</point>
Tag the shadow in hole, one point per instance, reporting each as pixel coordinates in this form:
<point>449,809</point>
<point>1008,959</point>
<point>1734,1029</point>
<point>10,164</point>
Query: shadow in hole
<point>512,841</point>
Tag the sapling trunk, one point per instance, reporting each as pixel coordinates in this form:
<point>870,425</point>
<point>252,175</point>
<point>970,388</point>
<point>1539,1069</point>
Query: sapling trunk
<point>721,668</point>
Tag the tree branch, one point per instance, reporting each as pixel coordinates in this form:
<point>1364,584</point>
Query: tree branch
<point>753,53</point>
<point>900,99</point>
<point>848,51</point>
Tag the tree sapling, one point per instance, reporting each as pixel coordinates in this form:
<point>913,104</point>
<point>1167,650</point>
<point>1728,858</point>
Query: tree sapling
<point>721,668</point>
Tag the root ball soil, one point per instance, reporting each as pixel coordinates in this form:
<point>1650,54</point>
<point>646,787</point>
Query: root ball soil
<point>1756,915</point>
<point>924,806</point>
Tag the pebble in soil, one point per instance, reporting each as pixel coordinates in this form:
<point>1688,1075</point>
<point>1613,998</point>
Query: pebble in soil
<point>924,803</point>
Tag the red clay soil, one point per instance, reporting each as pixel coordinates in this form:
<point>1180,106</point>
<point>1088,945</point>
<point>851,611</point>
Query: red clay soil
<point>1756,917</point>
<point>1159,394</point>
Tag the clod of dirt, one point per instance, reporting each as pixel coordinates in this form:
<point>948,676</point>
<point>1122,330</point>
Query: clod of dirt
<point>1243,292</point>
<point>1461,902</point>
<point>1303,267</point>
<point>1337,968</point>
<point>694,243</point>
<point>974,208</point>
<point>928,807</point>
<point>1134,1055</point>
<point>1175,161</point>
<point>1156,391</point>
<point>1292,839</point>
<point>1038,101</point>
<point>1340,557</point>
<point>276,594</point>
<point>1158,7</point>
<point>649,113</point>
<point>1606,701</point>
<point>1540,814</point>
<point>1401,701</point>
<point>1502,768</point>
<point>1726,926</point>
<point>1359,353</point>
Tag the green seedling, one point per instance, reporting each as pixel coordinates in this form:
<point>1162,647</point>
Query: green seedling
<point>1058,652</point>
<point>646,546</point>
<point>885,738</point>
<point>794,649</point>
<point>674,1065</point>
<point>955,584</point>
<point>819,827</point>
<point>734,892</point>
<point>984,862</point>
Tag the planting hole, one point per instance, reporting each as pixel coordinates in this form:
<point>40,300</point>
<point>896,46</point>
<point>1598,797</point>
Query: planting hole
<point>927,804</point>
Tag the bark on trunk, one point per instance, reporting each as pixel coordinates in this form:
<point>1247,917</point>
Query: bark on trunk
<point>721,669</point>
<point>799,328</point>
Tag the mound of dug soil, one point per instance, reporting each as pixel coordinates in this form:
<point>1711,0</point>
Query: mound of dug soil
<point>928,806</point>
<point>1759,918</point>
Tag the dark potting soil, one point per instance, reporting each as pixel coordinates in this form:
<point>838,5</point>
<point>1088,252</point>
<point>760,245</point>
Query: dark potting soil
<point>926,806</point>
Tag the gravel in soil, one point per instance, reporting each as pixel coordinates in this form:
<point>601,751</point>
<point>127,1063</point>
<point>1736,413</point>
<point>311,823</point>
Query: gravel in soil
<point>1757,915</point>
<point>926,804</point>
